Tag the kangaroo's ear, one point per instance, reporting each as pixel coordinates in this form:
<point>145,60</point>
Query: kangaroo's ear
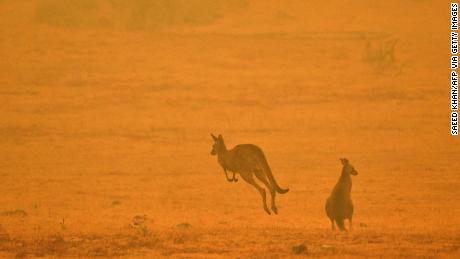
<point>344,161</point>
<point>213,137</point>
<point>220,137</point>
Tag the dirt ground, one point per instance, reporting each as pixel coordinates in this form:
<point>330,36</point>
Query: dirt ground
<point>105,132</point>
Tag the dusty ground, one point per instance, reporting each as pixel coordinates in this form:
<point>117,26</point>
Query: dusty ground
<point>104,133</point>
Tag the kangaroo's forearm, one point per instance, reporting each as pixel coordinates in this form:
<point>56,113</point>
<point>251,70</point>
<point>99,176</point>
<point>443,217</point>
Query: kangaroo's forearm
<point>226,176</point>
<point>234,178</point>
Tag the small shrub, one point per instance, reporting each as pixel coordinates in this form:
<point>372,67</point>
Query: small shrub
<point>300,249</point>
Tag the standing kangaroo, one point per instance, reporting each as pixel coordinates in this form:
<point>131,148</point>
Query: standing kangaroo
<point>339,205</point>
<point>247,160</point>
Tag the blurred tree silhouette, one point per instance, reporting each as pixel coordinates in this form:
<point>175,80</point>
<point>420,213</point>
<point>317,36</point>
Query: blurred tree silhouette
<point>134,14</point>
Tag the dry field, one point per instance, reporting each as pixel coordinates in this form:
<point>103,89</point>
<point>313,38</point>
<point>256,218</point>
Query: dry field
<point>105,145</point>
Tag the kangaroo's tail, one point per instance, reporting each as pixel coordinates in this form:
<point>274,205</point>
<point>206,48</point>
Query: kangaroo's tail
<point>338,212</point>
<point>263,162</point>
<point>340,223</point>
<point>281,190</point>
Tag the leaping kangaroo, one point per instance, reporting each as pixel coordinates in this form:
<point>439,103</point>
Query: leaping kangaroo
<point>248,160</point>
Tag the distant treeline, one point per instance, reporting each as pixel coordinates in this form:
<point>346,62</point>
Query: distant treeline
<point>133,14</point>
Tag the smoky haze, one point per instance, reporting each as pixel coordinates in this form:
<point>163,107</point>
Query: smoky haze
<point>107,107</point>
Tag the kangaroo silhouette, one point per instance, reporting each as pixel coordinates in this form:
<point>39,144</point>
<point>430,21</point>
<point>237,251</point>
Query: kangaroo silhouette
<point>339,205</point>
<point>248,160</point>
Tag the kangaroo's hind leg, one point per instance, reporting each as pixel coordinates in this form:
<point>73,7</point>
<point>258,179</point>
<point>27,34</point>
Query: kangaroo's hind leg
<point>249,179</point>
<point>351,223</point>
<point>350,216</point>
<point>264,180</point>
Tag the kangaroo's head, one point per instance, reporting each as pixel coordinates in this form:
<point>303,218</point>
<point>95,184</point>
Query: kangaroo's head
<point>219,144</point>
<point>347,167</point>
